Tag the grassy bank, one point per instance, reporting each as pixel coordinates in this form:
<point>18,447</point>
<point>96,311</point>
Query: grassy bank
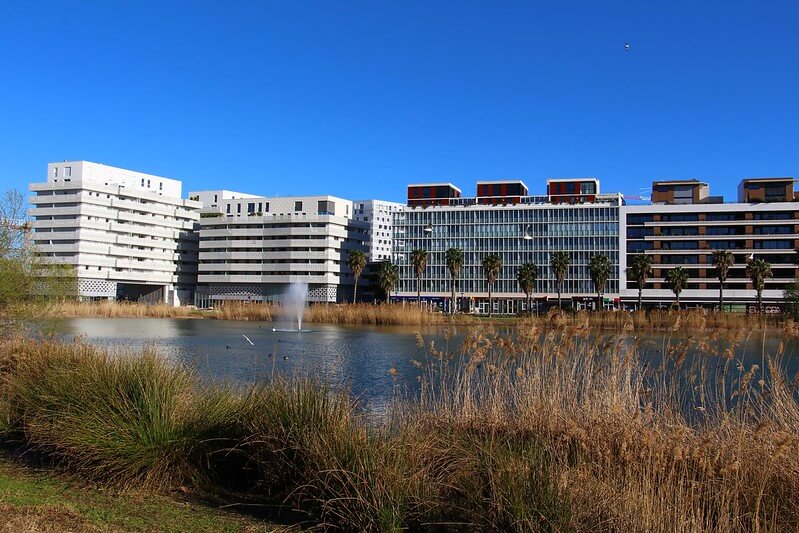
<point>519,434</point>
<point>410,315</point>
<point>35,499</point>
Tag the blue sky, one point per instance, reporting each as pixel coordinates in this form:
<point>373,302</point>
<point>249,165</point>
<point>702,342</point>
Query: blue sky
<point>358,99</point>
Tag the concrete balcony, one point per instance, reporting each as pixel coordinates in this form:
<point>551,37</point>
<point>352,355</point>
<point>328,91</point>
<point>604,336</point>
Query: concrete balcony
<point>206,278</point>
<point>150,231</point>
<point>157,266</point>
<point>329,255</point>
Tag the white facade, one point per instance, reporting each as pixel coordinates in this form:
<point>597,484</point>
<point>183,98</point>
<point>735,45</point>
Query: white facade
<point>211,199</point>
<point>379,215</point>
<point>252,248</point>
<point>129,235</point>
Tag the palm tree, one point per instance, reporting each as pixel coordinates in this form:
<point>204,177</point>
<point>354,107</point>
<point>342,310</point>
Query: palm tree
<point>454,260</point>
<point>640,269</point>
<point>758,270</point>
<point>356,261</point>
<point>492,264</point>
<point>419,260</point>
<point>387,277</point>
<point>722,261</point>
<point>560,267</point>
<point>527,276</point>
<point>677,279</point>
<point>599,268</point>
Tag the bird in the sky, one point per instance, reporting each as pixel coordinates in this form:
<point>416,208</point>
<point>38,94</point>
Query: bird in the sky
<point>626,47</point>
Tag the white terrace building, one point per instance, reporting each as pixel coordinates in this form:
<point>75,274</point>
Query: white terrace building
<point>129,235</point>
<point>252,248</point>
<point>379,215</point>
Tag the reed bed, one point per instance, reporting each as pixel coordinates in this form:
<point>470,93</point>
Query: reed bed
<point>72,309</point>
<point>383,315</point>
<point>411,315</point>
<point>550,430</point>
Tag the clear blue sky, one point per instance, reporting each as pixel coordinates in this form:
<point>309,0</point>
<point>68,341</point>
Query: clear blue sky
<point>358,99</point>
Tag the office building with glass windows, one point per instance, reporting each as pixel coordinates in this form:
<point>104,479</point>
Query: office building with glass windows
<point>681,228</point>
<point>527,231</point>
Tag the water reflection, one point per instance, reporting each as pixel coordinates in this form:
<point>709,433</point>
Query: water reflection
<point>357,357</point>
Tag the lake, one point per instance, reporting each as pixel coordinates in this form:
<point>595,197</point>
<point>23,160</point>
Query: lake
<point>359,357</point>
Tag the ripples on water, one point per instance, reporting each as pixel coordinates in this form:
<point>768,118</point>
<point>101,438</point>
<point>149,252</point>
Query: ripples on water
<point>357,357</point>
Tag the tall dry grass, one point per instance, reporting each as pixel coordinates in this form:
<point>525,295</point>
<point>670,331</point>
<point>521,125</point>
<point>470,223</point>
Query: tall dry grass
<point>411,315</point>
<point>549,430</point>
<point>72,309</point>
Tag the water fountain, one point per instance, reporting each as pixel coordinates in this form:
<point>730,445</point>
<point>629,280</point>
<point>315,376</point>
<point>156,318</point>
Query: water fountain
<point>294,302</point>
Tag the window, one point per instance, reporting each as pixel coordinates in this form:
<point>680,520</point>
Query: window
<point>638,233</point>
<point>680,217</point>
<point>228,209</point>
<point>215,198</point>
<point>639,219</point>
<point>297,206</point>
<point>715,217</point>
<point>779,215</point>
<point>148,184</point>
<point>251,207</point>
<point>55,172</point>
<point>639,246</point>
<point>160,186</point>
<point>238,208</point>
<point>68,171</point>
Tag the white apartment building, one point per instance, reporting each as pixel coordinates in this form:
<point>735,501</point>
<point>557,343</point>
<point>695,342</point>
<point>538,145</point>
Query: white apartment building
<point>211,199</point>
<point>379,214</point>
<point>253,247</point>
<point>129,235</point>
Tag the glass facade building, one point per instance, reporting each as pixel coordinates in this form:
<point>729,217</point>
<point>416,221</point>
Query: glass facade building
<point>529,232</point>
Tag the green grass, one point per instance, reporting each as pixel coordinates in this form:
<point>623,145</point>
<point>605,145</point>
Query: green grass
<point>41,499</point>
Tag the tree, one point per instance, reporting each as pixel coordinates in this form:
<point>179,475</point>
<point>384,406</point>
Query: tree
<point>454,260</point>
<point>722,261</point>
<point>599,269</point>
<point>791,296</point>
<point>56,282</point>
<point>419,260</point>
<point>527,276</point>
<point>356,261</point>
<point>16,254</point>
<point>758,270</point>
<point>677,279</point>
<point>492,264</point>
<point>639,270</point>
<point>387,277</point>
<point>560,267</point>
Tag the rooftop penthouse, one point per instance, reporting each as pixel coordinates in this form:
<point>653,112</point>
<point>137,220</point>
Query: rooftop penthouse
<point>750,191</point>
<point>569,191</point>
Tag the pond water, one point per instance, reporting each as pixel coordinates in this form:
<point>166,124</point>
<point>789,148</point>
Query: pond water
<point>359,357</point>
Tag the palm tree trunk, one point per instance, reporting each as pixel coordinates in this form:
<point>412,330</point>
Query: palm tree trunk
<point>490,301</point>
<point>355,291</point>
<point>452,300</point>
<point>599,301</point>
<point>640,290</point>
<point>721,297</point>
<point>678,301</point>
<point>419,292</point>
<point>560,306</point>
<point>529,306</point>
<point>760,301</point>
